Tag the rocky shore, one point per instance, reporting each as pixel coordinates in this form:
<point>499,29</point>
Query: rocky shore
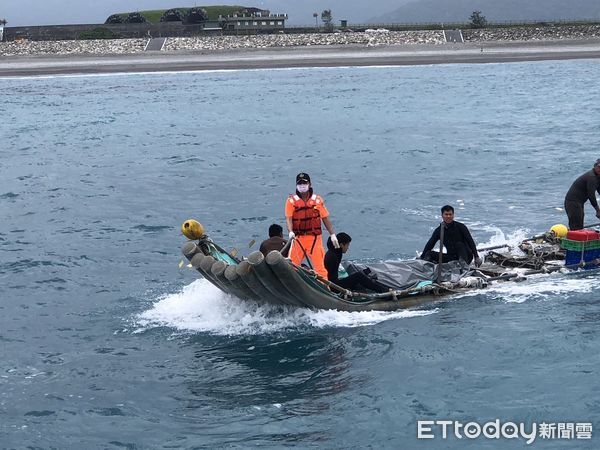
<point>91,47</point>
<point>368,39</point>
<point>373,38</point>
<point>532,33</point>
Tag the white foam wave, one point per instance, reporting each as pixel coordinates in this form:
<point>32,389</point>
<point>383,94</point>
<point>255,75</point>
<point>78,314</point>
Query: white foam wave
<point>201,307</point>
<point>540,287</point>
<point>513,239</point>
<point>156,73</point>
<point>537,287</point>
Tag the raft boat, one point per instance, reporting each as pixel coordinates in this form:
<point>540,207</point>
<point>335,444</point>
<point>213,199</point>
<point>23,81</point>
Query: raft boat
<point>274,279</point>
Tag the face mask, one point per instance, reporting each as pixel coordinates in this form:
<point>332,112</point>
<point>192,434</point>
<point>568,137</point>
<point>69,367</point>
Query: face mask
<point>302,188</point>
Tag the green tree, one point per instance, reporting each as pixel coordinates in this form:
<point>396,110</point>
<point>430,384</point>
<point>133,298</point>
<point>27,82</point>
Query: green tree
<point>478,20</point>
<point>115,18</point>
<point>172,15</point>
<point>135,17</point>
<point>196,15</point>
<point>327,18</point>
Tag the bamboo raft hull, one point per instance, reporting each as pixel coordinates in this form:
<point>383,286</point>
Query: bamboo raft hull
<point>275,280</point>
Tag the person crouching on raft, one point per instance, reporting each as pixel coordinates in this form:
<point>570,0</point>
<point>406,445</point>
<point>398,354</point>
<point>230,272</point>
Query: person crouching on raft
<point>304,212</point>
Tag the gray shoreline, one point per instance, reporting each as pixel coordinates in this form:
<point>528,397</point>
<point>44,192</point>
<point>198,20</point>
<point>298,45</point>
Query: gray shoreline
<point>300,56</point>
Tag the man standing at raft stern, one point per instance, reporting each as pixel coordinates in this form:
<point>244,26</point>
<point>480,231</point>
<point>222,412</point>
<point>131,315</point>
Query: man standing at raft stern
<point>304,212</point>
<point>583,189</point>
<point>457,239</point>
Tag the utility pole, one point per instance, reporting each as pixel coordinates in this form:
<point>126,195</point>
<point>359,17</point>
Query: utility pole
<point>316,16</point>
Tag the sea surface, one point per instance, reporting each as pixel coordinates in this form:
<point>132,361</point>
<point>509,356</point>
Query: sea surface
<point>106,342</point>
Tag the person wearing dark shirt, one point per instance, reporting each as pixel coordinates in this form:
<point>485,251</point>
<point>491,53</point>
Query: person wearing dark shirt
<point>275,241</point>
<point>583,189</point>
<point>457,239</point>
<point>357,281</point>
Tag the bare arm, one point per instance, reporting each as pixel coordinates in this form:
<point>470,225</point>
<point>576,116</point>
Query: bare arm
<point>328,225</point>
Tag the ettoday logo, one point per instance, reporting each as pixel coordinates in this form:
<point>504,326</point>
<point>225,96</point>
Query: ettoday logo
<point>430,429</point>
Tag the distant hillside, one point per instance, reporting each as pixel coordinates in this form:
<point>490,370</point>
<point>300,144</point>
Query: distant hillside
<point>494,10</point>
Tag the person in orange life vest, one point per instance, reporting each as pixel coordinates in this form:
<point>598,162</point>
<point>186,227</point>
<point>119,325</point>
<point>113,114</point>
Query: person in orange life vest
<point>304,212</point>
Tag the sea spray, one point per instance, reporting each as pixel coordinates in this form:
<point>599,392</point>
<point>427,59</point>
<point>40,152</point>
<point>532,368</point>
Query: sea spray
<point>201,307</point>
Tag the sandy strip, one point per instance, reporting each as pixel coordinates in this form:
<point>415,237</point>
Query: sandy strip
<point>326,56</point>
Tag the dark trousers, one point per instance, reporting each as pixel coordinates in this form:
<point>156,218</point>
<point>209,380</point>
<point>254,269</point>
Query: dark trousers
<point>574,210</point>
<point>358,280</point>
<point>462,252</point>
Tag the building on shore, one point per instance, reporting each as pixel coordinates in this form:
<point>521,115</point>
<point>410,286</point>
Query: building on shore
<point>253,20</point>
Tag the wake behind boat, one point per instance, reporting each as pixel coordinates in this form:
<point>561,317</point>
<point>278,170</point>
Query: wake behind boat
<point>276,280</point>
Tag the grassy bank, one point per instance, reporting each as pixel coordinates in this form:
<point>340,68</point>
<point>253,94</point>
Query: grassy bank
<point>154,15</point>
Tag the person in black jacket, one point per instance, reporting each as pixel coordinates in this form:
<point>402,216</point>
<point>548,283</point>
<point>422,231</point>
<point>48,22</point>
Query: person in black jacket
<point>583,189</point>
<point>357,281</point>
<point>457,239</point>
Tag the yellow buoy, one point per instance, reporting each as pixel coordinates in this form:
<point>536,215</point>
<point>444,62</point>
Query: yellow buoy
<point>559,230</point>
<point>192,229</point>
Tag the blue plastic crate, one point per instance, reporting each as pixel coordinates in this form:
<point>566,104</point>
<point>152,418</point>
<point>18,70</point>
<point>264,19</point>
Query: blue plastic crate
<point>574,257</point>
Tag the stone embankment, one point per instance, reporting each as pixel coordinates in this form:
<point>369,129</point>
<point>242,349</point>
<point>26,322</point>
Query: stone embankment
<point>367,39</point>
<point>532,33</point>
<point>121,46</point>
<point>91,47</point>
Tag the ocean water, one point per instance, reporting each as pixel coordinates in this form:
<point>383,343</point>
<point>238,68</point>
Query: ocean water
<point>107,343</point>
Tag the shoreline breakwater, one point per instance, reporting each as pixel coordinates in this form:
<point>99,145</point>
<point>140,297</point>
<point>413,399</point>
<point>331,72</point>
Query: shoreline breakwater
<point>368,39</point>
